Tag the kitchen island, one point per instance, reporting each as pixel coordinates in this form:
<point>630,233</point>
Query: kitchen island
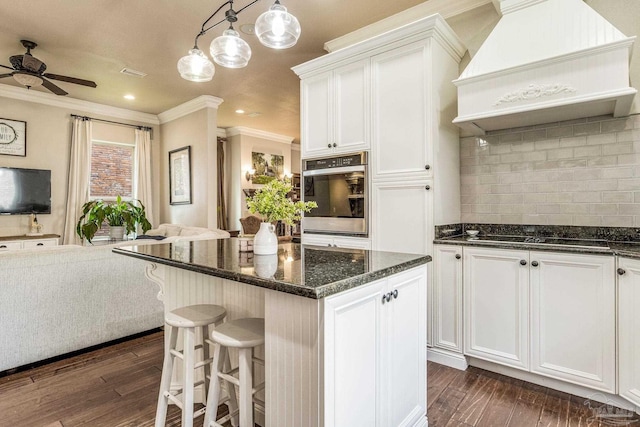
<point>345,329</point>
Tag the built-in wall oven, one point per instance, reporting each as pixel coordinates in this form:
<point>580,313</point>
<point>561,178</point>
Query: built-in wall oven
<point>339,186</point>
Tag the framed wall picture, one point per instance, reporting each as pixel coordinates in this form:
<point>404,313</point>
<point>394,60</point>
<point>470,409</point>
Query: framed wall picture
<point>267,167</point>
<point>13,137</point>
<point>180,176</point>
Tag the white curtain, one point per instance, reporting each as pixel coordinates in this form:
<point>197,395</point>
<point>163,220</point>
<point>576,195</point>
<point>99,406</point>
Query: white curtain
<point>143,190</point>
<point>79,174</point>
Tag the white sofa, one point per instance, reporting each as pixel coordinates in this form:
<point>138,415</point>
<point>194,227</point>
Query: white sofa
<point>59,299</point>
<point>177,232</point>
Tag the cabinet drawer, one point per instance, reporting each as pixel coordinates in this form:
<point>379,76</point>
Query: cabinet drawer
<point>39,243</point>
<point>7,246</point>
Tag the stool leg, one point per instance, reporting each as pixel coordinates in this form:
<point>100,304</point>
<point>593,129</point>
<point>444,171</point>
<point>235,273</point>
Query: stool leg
<point>187,378</point>
<point>165,379</point>
<point>231,391</point>
<point>211,413</point>
<point>207,366</point>
<point>246,387</point>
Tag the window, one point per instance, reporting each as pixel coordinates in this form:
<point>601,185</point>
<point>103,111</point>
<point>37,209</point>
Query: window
<point>112,173</point>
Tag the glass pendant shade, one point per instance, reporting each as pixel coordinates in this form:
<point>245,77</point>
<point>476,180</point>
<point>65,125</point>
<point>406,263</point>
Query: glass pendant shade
<point>229,50</point>
<point>277,28</point>
<point>196,67</point>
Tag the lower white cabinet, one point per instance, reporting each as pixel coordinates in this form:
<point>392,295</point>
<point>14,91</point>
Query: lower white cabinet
<point>496,305</point>
<point>629,329</point>
<point>336,241</point>
<point>573,318</point>
<point>446,304</point>
<point>8,245</point>
<point>374,345</point>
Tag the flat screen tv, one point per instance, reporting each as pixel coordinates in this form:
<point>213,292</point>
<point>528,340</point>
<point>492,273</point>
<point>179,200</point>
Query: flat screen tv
<point>25,191</point>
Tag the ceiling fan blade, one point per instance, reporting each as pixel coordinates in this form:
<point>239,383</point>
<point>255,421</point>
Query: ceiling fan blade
<point>6,75</point>
<point>53,88</point>
<point>6,66</point>
<point>70,80</point>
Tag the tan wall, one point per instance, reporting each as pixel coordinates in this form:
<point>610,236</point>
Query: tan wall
<point>48,145</point>
<point>197,130</point>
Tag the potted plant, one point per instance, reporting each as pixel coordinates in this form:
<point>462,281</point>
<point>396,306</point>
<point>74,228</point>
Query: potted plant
<point>273,204</point>
<point>122,213</point>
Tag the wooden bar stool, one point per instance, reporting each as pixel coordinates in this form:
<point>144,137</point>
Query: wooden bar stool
<point>188,319</point>
<point>244,335</point>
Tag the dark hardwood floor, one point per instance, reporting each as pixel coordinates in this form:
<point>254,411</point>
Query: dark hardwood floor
<point>117,386</point>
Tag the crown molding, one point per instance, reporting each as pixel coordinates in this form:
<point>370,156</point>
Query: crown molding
<point>244,131</point>
<point>295,147</point>
<point>446,8</point>
<point>203,101</point>
<point>221,132</point>
<point>22,94</point>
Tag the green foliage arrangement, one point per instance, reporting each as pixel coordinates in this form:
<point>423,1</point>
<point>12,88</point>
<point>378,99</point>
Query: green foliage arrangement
<point>274,204</point>
<point>122,213</point>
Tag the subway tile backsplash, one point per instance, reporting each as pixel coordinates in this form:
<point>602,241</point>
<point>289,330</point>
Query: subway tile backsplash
<point>584,172</point>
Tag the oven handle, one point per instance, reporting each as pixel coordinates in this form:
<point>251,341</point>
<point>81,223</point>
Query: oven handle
<point>334,171</point>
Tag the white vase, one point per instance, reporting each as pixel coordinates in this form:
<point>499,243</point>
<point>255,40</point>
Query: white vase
<point>116,232</point>
<point>265,242</point>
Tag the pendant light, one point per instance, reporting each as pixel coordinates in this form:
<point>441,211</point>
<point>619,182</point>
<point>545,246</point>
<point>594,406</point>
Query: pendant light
<point>229,50</point>
<point>277,28</point>
<point>196,67</point>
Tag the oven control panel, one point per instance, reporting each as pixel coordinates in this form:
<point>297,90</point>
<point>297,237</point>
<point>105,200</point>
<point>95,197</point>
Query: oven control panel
<point>336,162</point>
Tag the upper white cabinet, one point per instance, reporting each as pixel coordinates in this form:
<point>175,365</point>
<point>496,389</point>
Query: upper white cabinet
<point>496,305</point>
<point>628,327</point>
<point>335,111</point>
<point>573,320</point>
<point>376,339</point>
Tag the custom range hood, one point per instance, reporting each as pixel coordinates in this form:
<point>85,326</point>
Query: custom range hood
<point>545,61</point>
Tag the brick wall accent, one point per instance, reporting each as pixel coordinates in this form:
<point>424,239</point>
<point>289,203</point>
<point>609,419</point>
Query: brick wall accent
<point>111,170</point>
<point>583,172</point>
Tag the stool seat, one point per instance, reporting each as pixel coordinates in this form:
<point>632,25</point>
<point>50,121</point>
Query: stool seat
<point>194,316</point>
<point>240,333</point>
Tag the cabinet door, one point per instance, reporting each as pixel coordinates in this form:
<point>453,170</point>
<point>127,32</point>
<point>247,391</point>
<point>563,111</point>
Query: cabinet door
<point>405,338</point>
<point>447,297</point>
<point>316,239</point>
<point>573,318</point>
<point>352,107</point>
<point>316,112</point>
<point>352,243</point>
<point>39,243</point>
<point>496,305</point>
<point>628,327</point>
<point>401,216</point>
<point>401,116</point>
<point>7,246</point>
<point>353,344</point>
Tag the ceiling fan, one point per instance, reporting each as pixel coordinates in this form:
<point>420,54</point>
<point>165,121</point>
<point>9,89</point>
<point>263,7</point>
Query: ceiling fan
<point>29,71</point>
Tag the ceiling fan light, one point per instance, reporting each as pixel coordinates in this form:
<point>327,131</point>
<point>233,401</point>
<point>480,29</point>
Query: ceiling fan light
<point>277,28</point>
<point>229,50</point>
<point>27,79</point>
<point>196,67</point>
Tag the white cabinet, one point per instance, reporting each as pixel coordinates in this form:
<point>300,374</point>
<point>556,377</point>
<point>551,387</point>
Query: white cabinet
<point>573,320</point>
<point>401,216</point>
<point>335,241</point>
<point>496,305</point>
<point>23,243</point>
<point>375,349</point>
<point>628,329</point>
<point>446,304</point>
<point>335,111</point>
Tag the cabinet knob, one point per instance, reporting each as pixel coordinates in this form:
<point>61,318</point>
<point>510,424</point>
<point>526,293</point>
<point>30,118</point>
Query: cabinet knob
<point>621,271</point>
<point>335,145</point>
<point>395,293</point>
<point>523,262</point>
<point>386,297</point>
<point>427,187</point>
<point>458,256</point>
<point>534,263</point>
<point>40,244</point>
<point>427,167</point>
<point>3,246</point>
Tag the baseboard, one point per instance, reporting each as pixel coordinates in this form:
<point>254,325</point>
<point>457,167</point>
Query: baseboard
<point>588,394</point>
<point>447,358</point>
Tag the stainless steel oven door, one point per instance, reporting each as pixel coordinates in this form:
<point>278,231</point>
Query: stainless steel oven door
<point>341,195</point>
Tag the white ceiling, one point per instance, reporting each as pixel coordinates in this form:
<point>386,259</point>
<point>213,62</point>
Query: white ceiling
<point>95,39</point>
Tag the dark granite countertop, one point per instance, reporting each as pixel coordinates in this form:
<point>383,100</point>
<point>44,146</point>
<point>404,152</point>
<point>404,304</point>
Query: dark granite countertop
<point>305,270</point>
<point>580,246</point>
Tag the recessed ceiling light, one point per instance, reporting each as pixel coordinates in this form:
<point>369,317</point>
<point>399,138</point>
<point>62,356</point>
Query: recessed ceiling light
<point>131,97</point>
<point>240,111</point>
<point>248,29</point>
<point>254,114</point>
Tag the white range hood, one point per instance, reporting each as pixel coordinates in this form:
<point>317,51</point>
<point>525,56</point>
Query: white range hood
<point>545,61</point>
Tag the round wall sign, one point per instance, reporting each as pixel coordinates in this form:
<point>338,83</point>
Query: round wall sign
<point>7,134</point>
